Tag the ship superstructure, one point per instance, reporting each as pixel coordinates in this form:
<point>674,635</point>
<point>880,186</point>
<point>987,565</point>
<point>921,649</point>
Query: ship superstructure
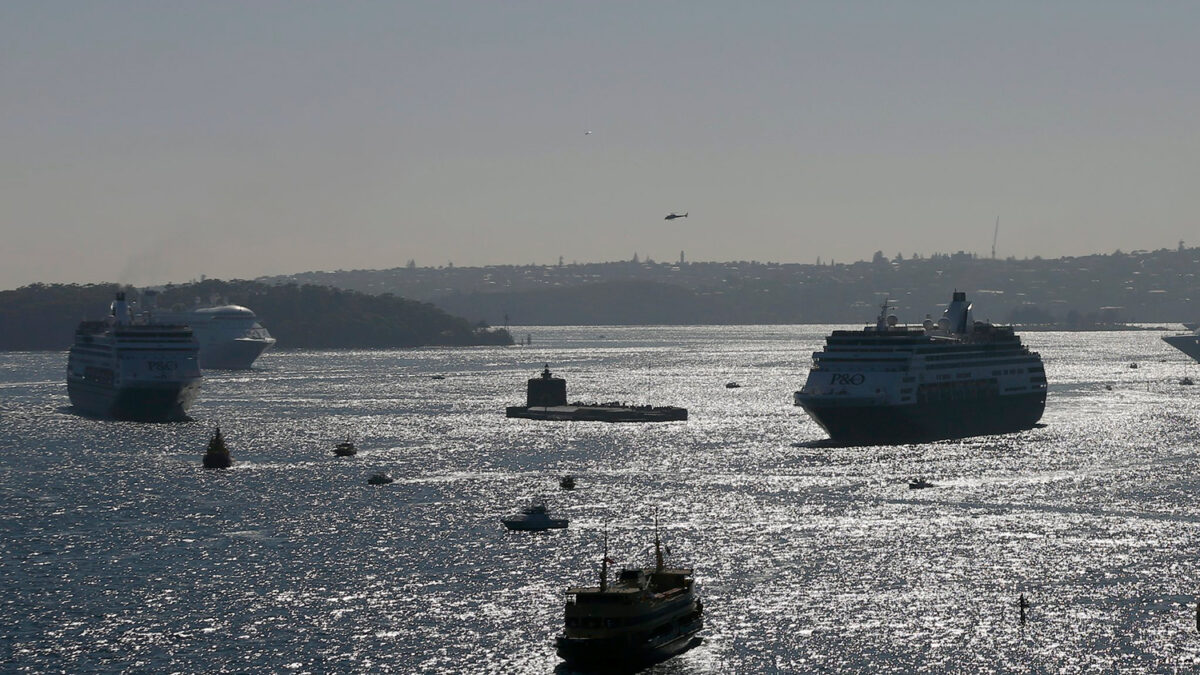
<point>230,336</point>
<point>126,369</point>
<point>955,378</point>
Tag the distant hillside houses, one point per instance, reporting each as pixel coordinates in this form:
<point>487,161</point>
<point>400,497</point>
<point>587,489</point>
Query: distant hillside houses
<point>1072,292</point>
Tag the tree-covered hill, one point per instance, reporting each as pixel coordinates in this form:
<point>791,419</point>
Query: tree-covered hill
<point>44,316</point>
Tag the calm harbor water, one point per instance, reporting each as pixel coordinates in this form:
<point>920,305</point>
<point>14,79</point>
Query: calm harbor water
<point>118,552</point>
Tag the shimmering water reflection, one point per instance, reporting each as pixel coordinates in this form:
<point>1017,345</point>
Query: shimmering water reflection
<point>120,553</point>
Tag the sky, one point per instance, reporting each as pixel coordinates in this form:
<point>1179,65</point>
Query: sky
<point>147,142</point>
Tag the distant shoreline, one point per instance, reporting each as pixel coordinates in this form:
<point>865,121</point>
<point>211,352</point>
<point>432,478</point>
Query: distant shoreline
<point>1038,328</point>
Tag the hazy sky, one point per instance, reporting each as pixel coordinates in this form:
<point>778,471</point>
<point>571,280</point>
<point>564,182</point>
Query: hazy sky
<point>157,141</point>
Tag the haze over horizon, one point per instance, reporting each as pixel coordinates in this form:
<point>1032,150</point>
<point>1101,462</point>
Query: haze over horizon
<point>147,143</point>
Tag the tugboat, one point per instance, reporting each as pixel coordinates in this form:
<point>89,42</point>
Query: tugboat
<point>217,455</point>
<point>345,449</point>
<point>546,399</point>
<point>534,518</point>
<point>648,615</point>
<point>888,384</point>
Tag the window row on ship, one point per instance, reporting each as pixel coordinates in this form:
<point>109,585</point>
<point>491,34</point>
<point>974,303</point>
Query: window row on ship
<point>1024,360</point>
<point>191,349</point>
<point>903,366</point>
<point>928,355</point>
<point>625,622</point>
<point>97,350</point>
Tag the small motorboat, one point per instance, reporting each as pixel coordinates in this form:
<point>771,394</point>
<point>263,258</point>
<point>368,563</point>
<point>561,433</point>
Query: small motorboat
<point>1133,365</point>
<point>919,484</point>
<point>437,377</point>
<point>567,482</point>
<point>345,449</point>
<point>732,385</point>
<point>1187,381</point>
<point>380,479</point>
<point>534,518</point>
<point>217,456</point>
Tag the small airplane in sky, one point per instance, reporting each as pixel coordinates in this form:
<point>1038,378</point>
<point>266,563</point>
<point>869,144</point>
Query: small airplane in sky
<point>674,215</point>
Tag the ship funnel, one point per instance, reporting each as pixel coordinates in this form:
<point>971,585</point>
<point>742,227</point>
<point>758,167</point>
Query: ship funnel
<point>959,313</point>
<point>120,309</point>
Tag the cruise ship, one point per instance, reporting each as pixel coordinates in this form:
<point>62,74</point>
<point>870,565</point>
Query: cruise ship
<point>1188,343</point>
<point>955,378</point>
<point>127,369</point>
<point>230,336</point>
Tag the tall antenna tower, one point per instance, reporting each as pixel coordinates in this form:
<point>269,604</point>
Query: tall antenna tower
<point>995,233</point>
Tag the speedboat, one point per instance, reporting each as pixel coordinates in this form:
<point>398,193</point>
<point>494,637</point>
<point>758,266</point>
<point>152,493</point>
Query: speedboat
<point>380,479</point>
<point>534,518</point>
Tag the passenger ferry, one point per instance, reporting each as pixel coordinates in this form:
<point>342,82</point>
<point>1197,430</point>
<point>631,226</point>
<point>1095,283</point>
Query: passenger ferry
<point>955,378</point>
<point>131,370</point>
<point>647,615</point>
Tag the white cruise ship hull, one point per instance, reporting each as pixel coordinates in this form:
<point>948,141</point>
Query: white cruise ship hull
<point>229,336</point>
<point>137,402</point>
<point>232,354</point>
<point>867,422</point>
<point>1188,344</point>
